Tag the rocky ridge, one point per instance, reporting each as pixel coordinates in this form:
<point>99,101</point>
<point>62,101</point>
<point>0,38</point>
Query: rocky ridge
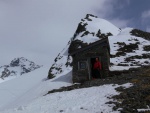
<point>17,67</point>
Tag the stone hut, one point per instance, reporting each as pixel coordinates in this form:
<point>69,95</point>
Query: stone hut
<point>84,58</point>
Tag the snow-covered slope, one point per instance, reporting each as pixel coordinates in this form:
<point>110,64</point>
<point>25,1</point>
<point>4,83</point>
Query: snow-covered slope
<point>87,100</point>
<point>129,51</point>
<point>61,63</point>
<point>24,89</point>
<point>130,48</point>
<point>17,67</point>
<point>25,95</point>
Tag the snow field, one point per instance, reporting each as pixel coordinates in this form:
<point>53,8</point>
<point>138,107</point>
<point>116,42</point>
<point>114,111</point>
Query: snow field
<point>22,90</point>
<point>86,100</point>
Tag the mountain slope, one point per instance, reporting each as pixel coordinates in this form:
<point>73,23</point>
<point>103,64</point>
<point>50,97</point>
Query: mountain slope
<point>128,46</point>
<point>128,50</point>
<point>25,95</point>
<point>24,89</point>
<point>17,67</point>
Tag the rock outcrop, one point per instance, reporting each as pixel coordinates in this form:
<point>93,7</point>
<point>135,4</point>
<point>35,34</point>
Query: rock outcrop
<point>17,67</point>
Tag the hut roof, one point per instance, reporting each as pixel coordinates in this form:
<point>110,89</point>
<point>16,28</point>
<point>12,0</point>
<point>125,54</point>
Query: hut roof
<point>103,42</point>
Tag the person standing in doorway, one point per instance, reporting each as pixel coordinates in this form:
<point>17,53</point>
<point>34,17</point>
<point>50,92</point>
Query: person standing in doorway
<point>97,68</point>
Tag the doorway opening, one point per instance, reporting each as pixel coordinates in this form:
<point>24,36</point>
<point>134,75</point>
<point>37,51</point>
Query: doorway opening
<point>95,73</point>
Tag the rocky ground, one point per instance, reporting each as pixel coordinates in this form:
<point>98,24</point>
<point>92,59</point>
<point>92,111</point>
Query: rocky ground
<point>131,99</point>
<point>136,97</point>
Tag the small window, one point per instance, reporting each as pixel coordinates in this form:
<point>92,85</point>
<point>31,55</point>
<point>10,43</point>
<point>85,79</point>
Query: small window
<point>82,65</point>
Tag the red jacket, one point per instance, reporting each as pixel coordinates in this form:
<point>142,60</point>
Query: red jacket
<point>97,65</point>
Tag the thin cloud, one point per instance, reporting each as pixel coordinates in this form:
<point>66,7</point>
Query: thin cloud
<point>120,23</point>
<point>128,2</point>
<point>148,29</point>
<point>110,10</point>
<point>146,14</point>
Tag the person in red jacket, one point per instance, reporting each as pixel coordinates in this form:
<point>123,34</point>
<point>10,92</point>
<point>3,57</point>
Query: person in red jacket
<point>97,68</point>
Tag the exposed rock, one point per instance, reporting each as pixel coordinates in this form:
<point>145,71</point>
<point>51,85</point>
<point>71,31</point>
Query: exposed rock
<point>136,97</point>
<point>17,67</point>
<point>139,33</point>
<point>146,48</point>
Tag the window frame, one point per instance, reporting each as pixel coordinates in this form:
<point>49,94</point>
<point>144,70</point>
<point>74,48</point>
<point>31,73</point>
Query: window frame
<point>79,65</point>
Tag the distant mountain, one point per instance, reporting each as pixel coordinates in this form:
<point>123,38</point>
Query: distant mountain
<point>129,47</point>
<point>17,67</point>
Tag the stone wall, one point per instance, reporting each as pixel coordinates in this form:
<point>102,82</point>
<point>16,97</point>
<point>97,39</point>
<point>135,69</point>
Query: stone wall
<point>96,51</point>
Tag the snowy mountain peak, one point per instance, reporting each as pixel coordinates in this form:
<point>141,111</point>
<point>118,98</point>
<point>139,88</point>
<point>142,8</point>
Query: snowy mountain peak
<point>21,62</point>
<point>17,67</point>
<point>92,29</point>
<point>18,61</point>
<point>93,26</point>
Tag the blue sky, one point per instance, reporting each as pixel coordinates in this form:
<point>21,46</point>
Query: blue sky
<point>40,29</point>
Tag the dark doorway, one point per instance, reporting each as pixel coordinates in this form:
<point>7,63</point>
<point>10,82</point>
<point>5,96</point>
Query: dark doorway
<point>95,74</point>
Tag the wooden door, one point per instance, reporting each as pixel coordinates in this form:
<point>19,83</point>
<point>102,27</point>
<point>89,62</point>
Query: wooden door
<point>89,68</point>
